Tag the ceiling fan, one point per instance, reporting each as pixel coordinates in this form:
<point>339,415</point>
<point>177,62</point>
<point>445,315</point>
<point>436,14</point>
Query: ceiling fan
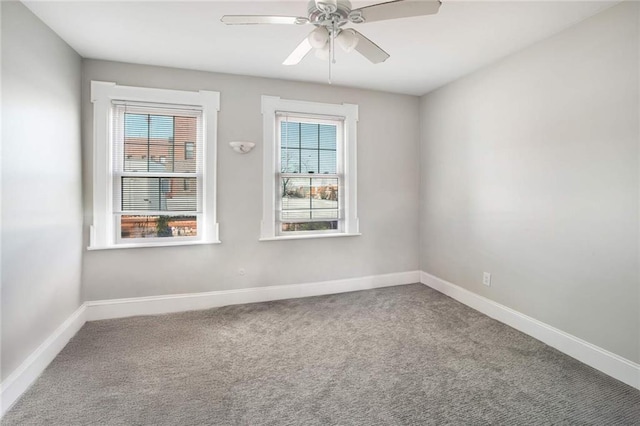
<point>330,16</point>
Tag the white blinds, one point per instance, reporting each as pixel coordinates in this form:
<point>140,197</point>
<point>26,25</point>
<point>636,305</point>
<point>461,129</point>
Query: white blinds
<point>310,173</point>
<point>157,169</point>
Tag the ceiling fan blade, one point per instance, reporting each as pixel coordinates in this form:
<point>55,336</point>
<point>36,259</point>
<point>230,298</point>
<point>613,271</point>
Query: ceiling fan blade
<point>397,9</point>
<point>369,49</point>
<point>299,53</point>
<point>262,19</point>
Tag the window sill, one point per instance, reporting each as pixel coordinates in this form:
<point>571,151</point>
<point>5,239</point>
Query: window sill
<point>306,237</point>
<point>147,245</point>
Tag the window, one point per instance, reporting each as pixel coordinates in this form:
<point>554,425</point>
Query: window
<point>309,177</point>
<point>309,169</point>
<point>189,153</point>
<point>153,177</point>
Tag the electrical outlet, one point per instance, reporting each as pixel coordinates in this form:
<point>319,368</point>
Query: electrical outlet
<point>486,279</point>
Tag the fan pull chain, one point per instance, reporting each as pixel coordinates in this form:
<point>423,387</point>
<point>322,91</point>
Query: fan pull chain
<point>331,55</point>
<point>333,41</point>
<point>332,51</point>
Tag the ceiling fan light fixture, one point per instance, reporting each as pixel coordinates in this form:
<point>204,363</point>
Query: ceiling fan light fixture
<point>318,38</point>
<point>347,40</point>
<point>323,53</point>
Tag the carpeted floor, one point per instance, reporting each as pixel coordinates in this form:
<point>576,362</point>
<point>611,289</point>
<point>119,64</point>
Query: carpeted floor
<point>404,355</point>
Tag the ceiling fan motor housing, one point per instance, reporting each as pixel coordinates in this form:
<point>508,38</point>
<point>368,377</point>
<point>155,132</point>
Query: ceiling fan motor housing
<point>327,6</point>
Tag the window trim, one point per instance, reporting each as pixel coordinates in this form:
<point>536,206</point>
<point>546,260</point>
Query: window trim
<point>102,231</point>
<point>271,107</point>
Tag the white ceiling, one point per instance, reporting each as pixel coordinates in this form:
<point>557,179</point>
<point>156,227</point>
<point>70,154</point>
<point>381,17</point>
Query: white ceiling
<point>426,52</point>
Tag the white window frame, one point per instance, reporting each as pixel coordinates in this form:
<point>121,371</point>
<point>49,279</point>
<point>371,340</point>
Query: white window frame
<point>272,106</point>
<point>103,231</point>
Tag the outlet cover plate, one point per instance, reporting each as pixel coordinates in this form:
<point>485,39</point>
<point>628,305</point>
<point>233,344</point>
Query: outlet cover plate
<point>486,279</point>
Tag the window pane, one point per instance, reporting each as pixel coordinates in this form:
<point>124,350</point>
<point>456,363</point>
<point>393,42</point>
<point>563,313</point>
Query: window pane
<point>328,136</point>
<point>290,161</point>
<point>308,135</point>
<point>158,226</point>
<point>290,134</point>
<point>309,160</point>
<point>136,154</point>
<point>136,126</point>
<point>309,199</point>
<point>328,162</point>
<point>186,134</point>
<point>166,194</point>
<point>160,159</point>
<point>161,127</point>
<point>160,143</point>
<point>327,198</point>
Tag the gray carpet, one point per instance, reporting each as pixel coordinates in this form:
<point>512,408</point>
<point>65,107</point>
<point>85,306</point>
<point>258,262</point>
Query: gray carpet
<point>402,355</point>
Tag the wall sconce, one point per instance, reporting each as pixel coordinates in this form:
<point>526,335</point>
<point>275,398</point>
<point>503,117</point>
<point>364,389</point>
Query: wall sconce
<point>242,147</point>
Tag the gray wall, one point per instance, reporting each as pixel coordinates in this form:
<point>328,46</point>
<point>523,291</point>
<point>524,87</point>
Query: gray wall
<point>41,183</point>
<point>529,170</point>
<point>388,182</point>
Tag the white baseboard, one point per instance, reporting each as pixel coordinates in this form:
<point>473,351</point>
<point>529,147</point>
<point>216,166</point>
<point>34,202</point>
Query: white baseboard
<point>27,373</point>
<point>119,308</point>
<point>609,363</point>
